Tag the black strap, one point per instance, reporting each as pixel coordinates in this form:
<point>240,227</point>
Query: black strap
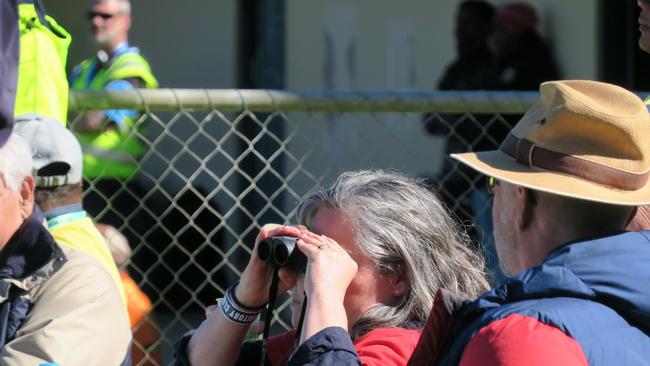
<point>268,315</point>
<point>302,319</point>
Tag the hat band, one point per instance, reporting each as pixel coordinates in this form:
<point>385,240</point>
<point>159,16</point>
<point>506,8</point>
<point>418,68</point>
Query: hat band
<point>51,181</point>
<point>529,154</point>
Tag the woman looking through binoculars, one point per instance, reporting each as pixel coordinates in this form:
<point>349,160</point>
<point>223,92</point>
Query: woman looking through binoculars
<point>378,246</point>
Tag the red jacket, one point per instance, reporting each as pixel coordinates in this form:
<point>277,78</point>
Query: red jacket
<point>513,340</point>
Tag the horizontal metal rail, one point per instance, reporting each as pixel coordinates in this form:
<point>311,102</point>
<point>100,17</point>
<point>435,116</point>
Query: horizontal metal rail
<point>238,100</point>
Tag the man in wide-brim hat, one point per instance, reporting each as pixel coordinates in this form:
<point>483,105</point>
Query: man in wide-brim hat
<point>565,183</point>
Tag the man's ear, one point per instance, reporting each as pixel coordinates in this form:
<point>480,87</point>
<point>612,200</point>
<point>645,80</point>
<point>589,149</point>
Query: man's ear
<point>526,206</point>
<point>127,22</point>
<point>26,203</point>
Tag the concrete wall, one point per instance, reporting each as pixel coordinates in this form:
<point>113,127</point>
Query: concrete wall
<point>389,45</point>
<point>190,44</point>
<point>368,44</point>
<point>572,28</point>
<point>383,44</point>
<point>338,44</point>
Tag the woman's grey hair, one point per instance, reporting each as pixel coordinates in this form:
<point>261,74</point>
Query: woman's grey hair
<point>15,162</point>
<point>402,226</point>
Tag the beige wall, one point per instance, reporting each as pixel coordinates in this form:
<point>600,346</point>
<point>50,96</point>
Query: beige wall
<point>384,44</point>
<point>190,44</point>
<point>373,44</point>
<point>396,45</point>
<point>573,28</point>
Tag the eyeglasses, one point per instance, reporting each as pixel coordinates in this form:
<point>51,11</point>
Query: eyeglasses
<point>105,16</point>
<point>491,183</point>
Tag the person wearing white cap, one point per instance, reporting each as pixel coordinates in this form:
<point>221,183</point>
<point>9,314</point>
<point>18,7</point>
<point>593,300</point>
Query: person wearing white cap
<point>57,170</point>
<point>56,303</point>
<point>566,181</point>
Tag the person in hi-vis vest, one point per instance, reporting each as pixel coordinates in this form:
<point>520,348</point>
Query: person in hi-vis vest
<point>111,139</point>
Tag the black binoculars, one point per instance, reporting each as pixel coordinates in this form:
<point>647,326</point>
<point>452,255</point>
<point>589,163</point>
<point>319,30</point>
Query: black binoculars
<point>281,251</point>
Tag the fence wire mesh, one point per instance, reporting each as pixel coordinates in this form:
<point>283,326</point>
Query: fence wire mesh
<point>219,164</point>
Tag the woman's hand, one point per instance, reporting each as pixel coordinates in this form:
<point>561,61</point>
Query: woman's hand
<point>253,288</point>
<point>330,269</point>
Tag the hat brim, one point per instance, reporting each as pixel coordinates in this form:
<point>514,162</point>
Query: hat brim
<point>501,166</point>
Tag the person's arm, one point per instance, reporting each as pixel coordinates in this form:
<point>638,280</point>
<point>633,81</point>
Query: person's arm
<point>78,318</point>
<point>94,121</point>
<point>218,339</point>
<point>521,340</point>
<point>324,339</point>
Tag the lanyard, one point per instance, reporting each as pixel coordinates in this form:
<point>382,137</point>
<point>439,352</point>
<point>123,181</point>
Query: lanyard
<point>65,218</point>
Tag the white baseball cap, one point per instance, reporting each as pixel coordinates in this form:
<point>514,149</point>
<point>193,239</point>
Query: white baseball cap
<point>56,153</point>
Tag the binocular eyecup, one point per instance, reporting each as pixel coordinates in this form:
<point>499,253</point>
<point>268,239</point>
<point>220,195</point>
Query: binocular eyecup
<point>281,251</point>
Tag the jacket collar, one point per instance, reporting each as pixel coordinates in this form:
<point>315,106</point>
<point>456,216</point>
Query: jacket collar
<point>30,257</point>
<point>612,270</point>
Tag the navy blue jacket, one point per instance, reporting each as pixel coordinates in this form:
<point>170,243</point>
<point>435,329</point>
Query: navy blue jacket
<point>29,249</point>
<point>595,291</point>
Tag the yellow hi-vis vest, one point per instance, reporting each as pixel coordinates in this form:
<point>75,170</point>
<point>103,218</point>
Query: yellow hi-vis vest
<point>113,153</point>
<point>79,232</point>
<point>42,84</point>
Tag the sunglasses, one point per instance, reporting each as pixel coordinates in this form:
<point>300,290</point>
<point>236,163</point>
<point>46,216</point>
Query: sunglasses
<point>492,182</point>
<point>105,16</point>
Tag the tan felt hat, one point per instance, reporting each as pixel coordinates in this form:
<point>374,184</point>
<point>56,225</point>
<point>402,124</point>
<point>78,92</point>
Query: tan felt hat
<point>582,139</point>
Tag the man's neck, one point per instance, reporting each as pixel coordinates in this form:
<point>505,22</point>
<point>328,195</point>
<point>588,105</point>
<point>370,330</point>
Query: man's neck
<point>540,245</point>
<point>539,240</point>
<point>111,48</point>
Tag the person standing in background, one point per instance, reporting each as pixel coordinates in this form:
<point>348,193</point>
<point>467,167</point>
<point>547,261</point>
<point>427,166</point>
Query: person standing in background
<point>498,49</point>
<point>522,58</point>
<point>110,139</point>
<point>460,187</point>
<point>146,336</point>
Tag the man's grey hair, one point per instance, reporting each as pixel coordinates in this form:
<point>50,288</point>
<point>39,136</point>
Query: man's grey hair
<point>15,162</point>
<point>125,5</point>
<point>402,226</point>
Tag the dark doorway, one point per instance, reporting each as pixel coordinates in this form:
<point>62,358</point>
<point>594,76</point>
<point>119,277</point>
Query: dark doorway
<point>622,62</point>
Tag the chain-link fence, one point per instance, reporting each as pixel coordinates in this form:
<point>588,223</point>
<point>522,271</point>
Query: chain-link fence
<point>218,164</point>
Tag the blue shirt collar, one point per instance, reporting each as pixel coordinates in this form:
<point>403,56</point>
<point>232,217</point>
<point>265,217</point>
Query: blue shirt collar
<point>58,211</point>
<point>120,49</point>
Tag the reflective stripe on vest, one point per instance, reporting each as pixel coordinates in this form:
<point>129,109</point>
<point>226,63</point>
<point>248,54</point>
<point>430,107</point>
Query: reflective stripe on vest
<point>113,153</point>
